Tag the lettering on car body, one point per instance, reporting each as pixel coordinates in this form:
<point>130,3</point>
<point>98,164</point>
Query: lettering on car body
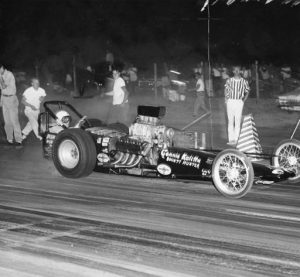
<point>206,172</point>
<point>185,158</point>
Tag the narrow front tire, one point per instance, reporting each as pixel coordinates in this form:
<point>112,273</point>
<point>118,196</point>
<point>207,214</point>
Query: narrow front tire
<point>232,173</point>
<point>287,156</point>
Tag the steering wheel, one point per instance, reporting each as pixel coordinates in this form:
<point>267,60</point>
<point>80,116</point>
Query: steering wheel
<point>80,122</point>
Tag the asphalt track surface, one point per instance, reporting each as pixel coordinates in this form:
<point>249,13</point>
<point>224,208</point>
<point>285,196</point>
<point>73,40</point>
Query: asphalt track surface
<point>110,225</point>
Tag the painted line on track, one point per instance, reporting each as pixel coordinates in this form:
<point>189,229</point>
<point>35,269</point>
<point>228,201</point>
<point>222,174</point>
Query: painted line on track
<point>272,216</point>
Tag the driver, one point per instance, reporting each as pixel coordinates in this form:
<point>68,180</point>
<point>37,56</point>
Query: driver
<point>63,120</point>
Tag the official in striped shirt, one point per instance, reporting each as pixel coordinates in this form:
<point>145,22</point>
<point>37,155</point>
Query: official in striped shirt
<point>236,93</point>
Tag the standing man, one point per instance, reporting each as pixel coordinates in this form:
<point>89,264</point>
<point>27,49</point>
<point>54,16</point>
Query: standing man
<point>32,98</point>
<point>216,70</point>
<point>200,95</point>
<point>120,105</point>
<point>132,72</point>
<point>236,93</point>
<point>224,75</point>
<point>165,85</point>
<point>109,58</point>
<point>208,79</point>
<point>10,104</point>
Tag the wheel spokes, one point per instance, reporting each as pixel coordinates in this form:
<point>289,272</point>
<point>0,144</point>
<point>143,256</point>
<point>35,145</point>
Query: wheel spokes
<point>289,157</point>
<point>233,173</point>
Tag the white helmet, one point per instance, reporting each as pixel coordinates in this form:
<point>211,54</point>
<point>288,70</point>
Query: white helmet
<point>63,118</point>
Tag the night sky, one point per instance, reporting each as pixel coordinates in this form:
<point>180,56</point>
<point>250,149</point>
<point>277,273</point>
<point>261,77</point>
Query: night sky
<point>143,31</point>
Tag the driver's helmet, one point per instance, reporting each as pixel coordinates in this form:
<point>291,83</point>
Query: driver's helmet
<point>63,118</point>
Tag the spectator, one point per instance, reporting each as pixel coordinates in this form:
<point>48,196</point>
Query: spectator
<point>224,75</point>
<point>109,58</point>
<point>10,103</point>
<point>236,93</point>
<point>200,95</point>
<point>199,68</point>
<point>32,98</point>
<point>216,70</point>
<point>286,74</point>
<point>165,84</point>
<point>264,72</point>
<point>208,80</point>
<point>246,73</point>
<point>120,106</point>
<point>132,72</point>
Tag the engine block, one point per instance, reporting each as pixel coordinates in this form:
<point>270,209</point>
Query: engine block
<point>129,145</point>
<point>147,128</point>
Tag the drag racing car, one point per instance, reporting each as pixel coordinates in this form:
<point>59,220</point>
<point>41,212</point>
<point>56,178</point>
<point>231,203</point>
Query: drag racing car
<point>79,145</point>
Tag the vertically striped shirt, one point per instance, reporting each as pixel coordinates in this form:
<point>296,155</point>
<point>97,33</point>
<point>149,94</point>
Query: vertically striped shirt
<point>236,88</point>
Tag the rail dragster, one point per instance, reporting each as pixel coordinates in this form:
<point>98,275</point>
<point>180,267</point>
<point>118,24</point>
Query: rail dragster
<point>79,145</point>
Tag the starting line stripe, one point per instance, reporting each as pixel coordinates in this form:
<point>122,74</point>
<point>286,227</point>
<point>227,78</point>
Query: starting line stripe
<point>273,216</point>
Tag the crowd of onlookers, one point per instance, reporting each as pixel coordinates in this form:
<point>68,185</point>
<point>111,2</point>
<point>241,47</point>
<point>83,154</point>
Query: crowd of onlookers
<point>268,79</point>
<point>209,81</point>
<point>271,80</point>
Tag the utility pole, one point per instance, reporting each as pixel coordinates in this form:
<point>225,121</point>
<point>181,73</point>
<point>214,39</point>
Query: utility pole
<point>256,80</point>
<point>155,81</point>
<point>209,74</point>
<point>75,93</point>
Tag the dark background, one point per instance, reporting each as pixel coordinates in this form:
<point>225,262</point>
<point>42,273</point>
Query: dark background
<point>144,31</point>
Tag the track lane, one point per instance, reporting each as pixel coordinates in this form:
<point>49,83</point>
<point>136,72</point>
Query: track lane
<point>154,227</point>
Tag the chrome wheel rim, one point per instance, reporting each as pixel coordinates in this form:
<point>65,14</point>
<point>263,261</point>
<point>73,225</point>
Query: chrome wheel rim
<point>232,174</point>
<point>288,157</point>
<point>68,154</point>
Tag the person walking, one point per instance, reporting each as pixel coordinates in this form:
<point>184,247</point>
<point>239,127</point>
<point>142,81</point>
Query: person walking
<point>236,93</point>
<point>32,98</point>
<point>120,105</point>
<point>200,95</point>
<point>10,103</point>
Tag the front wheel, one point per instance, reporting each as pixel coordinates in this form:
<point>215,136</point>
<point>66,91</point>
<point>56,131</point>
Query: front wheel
<point>232,173</point>
<point>74,153</point>
<point>287,156</point>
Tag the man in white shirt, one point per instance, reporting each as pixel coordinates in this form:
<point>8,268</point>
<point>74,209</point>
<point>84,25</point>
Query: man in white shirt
<point>32,98</point>
<point>200,92</point>
<point>10,103</point>
<point>120,105</point>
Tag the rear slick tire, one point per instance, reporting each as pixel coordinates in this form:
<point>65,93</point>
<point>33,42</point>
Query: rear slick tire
<point>74,153</point>
<point>232,173</point>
